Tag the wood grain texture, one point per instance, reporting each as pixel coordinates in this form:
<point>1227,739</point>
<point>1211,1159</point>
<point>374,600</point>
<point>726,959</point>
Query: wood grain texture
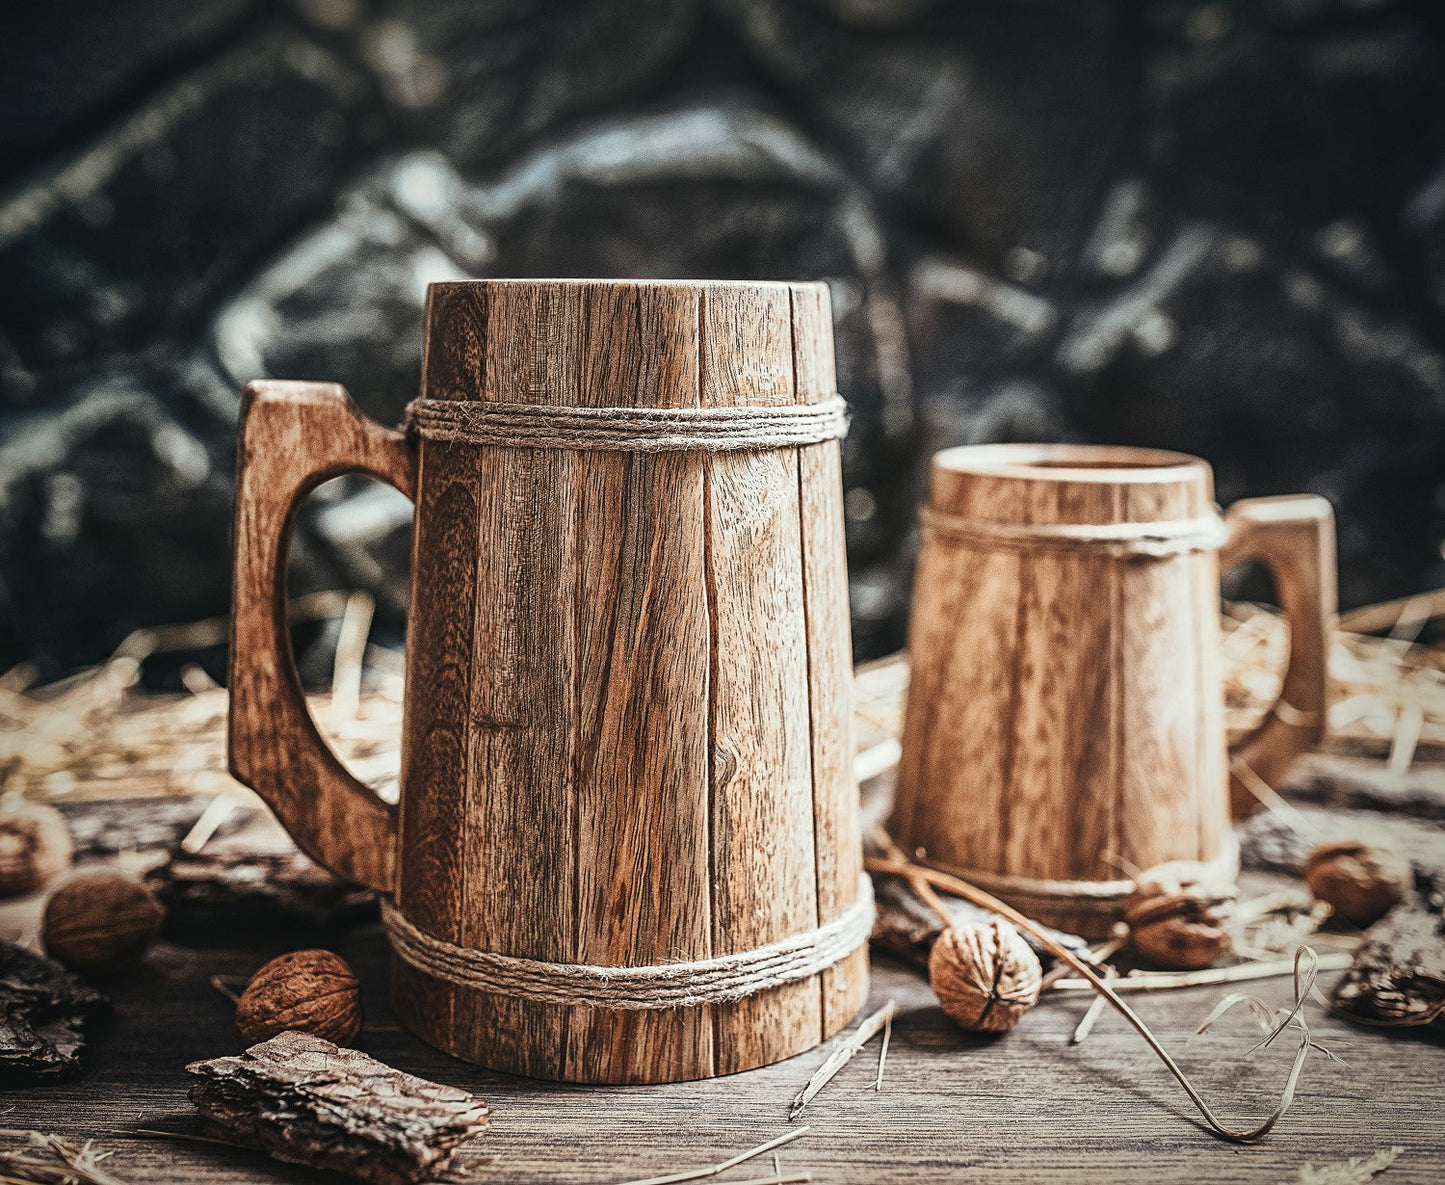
<point>293,437</point>
<point>628,719</point>
<point>764,867</point>
<point>1026,1109</point>
<point>1065,717</point>
<point>1293,536</point>
<point>836,842</point>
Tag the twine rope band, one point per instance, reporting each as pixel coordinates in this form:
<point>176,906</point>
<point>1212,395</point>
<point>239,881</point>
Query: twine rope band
<point>1028,891</point>
<point>1129,541</point>
<point>628,429</point>
<point>660,985</point>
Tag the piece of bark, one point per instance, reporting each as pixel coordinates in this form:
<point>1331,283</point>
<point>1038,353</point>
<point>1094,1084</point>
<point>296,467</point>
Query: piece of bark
<point>108,826</point>
<point>1398,977</point>
<point>1351,782</point>
<point>239,884</point>
<point>906,927</point>
<point>1270,843</point>
<point>306,1101</point>
<point>45,1015</point>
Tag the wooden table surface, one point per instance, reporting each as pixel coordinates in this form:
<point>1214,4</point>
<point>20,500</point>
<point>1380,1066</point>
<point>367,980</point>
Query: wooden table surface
<point>1024,1107</point>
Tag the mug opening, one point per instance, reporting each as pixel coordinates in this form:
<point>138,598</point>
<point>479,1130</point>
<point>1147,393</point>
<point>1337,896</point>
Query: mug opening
<point>1072,462</point>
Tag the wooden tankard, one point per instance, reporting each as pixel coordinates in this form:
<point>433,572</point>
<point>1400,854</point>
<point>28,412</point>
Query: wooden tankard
<point>1065,717</point>
<point>627,846</point>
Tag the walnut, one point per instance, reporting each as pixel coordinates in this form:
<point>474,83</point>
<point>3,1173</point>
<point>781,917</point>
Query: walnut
<point>1179,915</point>
<point>985,975</point>
<point>34,847</point>
<point>310,991</point>
<point>1360,881</point>
<point>101,922</point>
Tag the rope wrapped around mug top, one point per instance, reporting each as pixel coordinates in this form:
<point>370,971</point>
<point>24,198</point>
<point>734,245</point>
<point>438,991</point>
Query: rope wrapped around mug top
<point>628,429</point>
<point>659,985</point>
<point>1127,541</point>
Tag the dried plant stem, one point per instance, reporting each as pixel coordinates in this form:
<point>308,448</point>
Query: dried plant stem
<point>1097,954</point>
<point>151,1133</point>
<point>222,984</point>
<point>220,808</point>
<point>1270,798</point>
<point>841,1056</point>
<point>1092,1014</point>
<point>776,1179</point>
<point>1158,981</point>
<point>900,865</point>
<point>47,1159</point>
<point>1254,908</point>
<point>723,1165</point>
<point>883,1051</point>
<point>350,651</point>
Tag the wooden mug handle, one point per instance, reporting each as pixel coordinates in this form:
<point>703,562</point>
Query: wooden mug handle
<point>1294,536</point>
<point>293,437</point>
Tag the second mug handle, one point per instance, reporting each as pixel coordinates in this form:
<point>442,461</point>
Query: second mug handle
<point>1293,536</point>
<point>293,437</point>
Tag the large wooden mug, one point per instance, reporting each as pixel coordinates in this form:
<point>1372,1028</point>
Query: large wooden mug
<point>627,847</point>
<point>1065,718</point>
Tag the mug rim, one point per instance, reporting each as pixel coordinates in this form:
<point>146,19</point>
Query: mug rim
<point>1112,463</point>
<point>620,282</point>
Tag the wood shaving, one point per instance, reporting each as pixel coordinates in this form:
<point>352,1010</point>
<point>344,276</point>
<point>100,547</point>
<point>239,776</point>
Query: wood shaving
<point>40,1158</point>
<point>1355,1171</point>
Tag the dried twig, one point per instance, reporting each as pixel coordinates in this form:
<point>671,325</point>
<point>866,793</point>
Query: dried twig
<point>1305,970</point>
<point>1355,1171</point>
<point>1092,1014</point>
<point>225,985</point>
<point>1097,955</point>
<point>48,1159</point>
<point>350,651</point>
<point>1161,981</point>
<point>841,1056</point>
<point>883,1051</point>
<point>722,1166</point>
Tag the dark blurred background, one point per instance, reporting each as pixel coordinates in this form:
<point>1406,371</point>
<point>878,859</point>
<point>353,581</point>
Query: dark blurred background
<point>1217,227</point>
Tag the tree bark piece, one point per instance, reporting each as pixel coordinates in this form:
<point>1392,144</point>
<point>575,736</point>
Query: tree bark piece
<point>306,1101</point>
<point>1363,784</point>
<point>1398,978</point>
<point>906,927</point>
<point>45,1013</point>
<point>107,826</point>
<point>246,887</point>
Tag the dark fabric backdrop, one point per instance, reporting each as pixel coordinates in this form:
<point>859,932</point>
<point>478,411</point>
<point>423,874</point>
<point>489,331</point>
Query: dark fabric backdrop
<point>1218,227</point>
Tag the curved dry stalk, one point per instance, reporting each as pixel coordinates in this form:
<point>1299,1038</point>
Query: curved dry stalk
<point>897,864</point>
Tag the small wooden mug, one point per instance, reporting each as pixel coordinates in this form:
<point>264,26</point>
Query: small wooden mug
<point>1065,717</point>
<point>627,848</point>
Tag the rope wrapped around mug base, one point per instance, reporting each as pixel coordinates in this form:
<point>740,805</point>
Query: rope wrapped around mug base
<point>1126,541</point>
<point>657,986</point>
<point>628,429</point>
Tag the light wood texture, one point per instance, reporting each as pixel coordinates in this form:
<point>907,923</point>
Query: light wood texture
<point>1024,1109</point>
<point>628,719</point>
<point>1294,537</point>
<point>293,437</point>
<point>837,846</point>
<point>1065,720</point>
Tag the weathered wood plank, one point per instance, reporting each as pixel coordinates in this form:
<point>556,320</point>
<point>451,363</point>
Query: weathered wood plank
<point>837,846</point>
<point>764,867</point>
<point>1022,1109</point>
<point>642,652</point>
